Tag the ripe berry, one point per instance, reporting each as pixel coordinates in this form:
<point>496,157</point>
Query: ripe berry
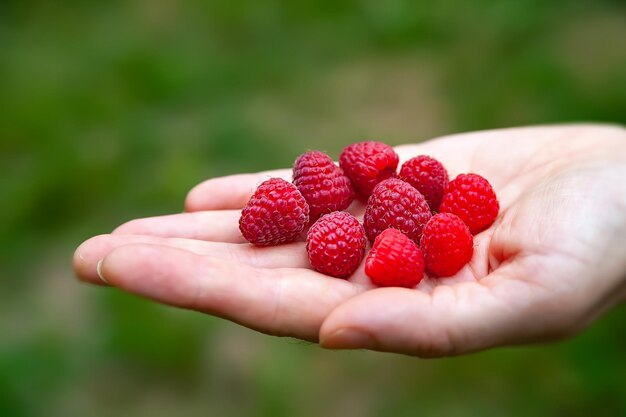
<point>367,164</point>
<point>322,184</point>
<point>447,244</point>
<point>395,261</point>
<point>428,176</point>
<point>472,198</point>
<point>336,244</point>
<point>395,203</point>
<point>276,213</point>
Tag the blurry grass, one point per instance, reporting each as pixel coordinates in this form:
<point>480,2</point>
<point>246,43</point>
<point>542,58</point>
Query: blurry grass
<point>113,110</point>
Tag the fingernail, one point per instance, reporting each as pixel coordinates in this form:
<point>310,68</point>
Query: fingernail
<point>348,339</point>
<point>99,271</point>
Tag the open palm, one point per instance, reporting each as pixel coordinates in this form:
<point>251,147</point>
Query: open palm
<point>553,262</point>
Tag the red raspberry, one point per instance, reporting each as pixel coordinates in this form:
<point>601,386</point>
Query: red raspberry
<point>447,244</point>
<point>395,261</point>
<point>336,244</point>
<point>322,183</point>
<point>276,213</point>
<point>395,203</point>
<point>428,176</point>
<point>472,198</point>
<point>367,164</point>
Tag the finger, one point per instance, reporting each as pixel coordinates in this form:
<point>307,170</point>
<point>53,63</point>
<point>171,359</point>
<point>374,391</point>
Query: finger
<point>217,226</point>
<point>230,192</point>
<point>92,251</point>
<point>285,302</point>
<point>451,320</point>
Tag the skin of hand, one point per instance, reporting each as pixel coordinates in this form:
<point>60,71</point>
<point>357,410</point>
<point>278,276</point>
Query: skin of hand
<point>553,262</point>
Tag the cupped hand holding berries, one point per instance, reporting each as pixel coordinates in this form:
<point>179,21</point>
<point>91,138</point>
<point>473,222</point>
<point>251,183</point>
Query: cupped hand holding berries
<point>552,263</point>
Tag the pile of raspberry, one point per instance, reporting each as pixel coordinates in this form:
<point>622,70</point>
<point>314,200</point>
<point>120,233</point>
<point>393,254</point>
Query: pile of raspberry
<point>417,220</point>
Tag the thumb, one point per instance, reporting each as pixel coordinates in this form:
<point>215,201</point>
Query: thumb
<point>451,320</point>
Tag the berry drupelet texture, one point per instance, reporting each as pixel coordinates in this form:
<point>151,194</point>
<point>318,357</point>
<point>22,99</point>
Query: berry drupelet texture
<point>367,164</point>
<point>395,203</point>
<point>395,261</point>
<point>322,183</point>
<point>472,198</point>
<point>336,244</point>
<point>428,176</point>
<point>447,244</point>
<point>276,213</point>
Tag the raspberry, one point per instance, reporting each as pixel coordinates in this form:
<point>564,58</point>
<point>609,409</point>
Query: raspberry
<point>428,176</point>
<point>472,198</point>
<point>395,203</point>
<point>336,244</point>
<point>447,244</point>
<point>322,183</point>
<point>367,164</point>
<point>276,213</point>
<point>395,261</point>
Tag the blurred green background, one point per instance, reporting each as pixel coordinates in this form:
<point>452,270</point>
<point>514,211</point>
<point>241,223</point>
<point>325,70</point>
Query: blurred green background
<point>113,110</point>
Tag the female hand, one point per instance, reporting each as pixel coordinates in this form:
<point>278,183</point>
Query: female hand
<point>553,262</point>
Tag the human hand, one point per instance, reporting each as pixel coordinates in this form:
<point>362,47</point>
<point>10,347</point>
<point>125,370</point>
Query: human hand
<point>552,263</point>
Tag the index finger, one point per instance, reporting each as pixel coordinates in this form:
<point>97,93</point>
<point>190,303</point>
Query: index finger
<point>233,191</point>
<point>230,192</point>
